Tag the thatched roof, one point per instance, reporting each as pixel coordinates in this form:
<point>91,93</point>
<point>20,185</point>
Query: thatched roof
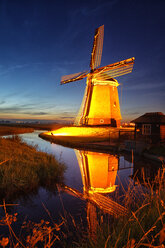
<point>153,117</point>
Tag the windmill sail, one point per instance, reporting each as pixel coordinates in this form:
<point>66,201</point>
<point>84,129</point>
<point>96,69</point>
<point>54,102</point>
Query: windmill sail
<point>116,69</point>
<point>97,48</point>
<point>73,77</point>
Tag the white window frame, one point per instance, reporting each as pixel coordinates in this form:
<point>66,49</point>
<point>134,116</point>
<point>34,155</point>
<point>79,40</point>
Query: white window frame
<point>146,129</point>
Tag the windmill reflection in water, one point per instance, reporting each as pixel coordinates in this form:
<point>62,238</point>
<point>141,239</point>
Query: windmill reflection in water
<point>98,172</point>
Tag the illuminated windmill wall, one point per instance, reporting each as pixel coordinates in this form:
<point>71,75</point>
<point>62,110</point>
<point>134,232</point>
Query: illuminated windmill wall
<point>98,171</point>
<point>100,105</point>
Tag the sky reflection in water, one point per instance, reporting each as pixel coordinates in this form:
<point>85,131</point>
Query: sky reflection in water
<point>33,206</point>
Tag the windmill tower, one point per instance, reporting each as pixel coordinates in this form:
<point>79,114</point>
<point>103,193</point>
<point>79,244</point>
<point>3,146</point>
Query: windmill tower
<point>100,105</point>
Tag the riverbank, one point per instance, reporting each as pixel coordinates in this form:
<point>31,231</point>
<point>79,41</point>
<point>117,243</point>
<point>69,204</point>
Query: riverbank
<point>23,168</point>
<point>20,128</point>
<point>9,130</point>
<point>101,143</point>
<point>33,126</point>
<point>86,137</point>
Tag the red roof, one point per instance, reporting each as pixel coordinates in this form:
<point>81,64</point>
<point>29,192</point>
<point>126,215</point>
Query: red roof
<point>153,117</point>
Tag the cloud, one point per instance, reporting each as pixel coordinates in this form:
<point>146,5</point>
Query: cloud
<point>36,113</point>
<point>67,117</point>
<point>4,71</point>
<point>144,86</point>
<point>30,109</point>
<point>133,113</point>
<point>2,102</point>
<point>11,95</point>
<point>64,115</point>
<point>16,108</point>
<point>99,9</point>
<point>67,113</point>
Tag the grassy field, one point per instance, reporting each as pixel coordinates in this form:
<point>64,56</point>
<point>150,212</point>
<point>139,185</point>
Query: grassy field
<point>23,169</point>
<point>9,130</point>
<point>32,126</point>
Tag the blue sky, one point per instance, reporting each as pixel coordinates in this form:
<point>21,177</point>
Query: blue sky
<point>42,40</point>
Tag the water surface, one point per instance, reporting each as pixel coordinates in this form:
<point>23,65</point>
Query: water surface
<point>89,173</point>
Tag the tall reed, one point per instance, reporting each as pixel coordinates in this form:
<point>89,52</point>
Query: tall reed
<point>145,224</point>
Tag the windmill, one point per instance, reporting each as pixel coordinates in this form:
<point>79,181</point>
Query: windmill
<point>100,105</point>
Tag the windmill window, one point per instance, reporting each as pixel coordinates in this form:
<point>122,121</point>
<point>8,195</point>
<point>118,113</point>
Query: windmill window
<point>146,129</point>
<point>114,104</point>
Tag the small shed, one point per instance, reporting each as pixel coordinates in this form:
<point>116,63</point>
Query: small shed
<point>150,127</point>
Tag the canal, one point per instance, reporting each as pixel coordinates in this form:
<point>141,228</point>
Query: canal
<point>91,179</point>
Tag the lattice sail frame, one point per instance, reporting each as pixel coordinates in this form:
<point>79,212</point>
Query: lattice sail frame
<point>73,77</point>
<point>107,73</point>
<point>97,48</point>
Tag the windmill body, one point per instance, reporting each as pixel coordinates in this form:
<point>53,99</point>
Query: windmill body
<point>100,105</point>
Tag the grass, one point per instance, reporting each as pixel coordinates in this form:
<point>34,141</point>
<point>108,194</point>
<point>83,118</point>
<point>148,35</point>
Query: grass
<point>36,126</point>
<point>9,130</point>
<point>23,168</point>
<point>143,227</point>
